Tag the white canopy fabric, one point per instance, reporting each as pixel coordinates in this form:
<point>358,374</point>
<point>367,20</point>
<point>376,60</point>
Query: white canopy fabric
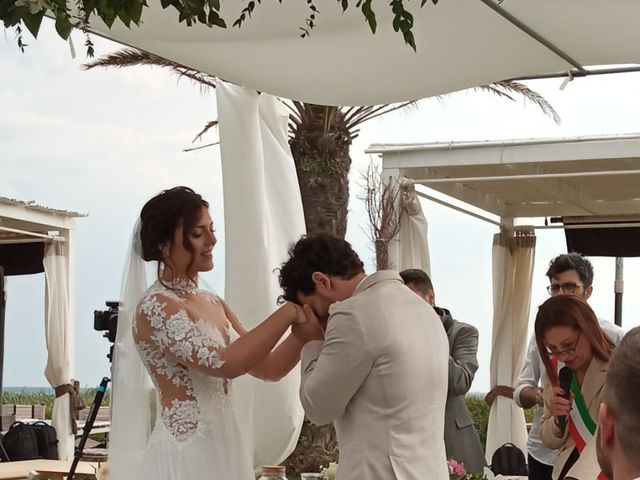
<point>263,215</point>
<point>460,44</point>
<point>513,258</point>
<point>410,248</point>
<point>26,222</point>
<point>59,335</point>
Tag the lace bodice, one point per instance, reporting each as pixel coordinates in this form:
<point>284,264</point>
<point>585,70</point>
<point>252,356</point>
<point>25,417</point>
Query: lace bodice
<point>180,333</point>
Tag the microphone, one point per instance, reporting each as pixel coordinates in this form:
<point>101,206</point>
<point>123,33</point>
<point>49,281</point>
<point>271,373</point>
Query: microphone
<point>565,377</point>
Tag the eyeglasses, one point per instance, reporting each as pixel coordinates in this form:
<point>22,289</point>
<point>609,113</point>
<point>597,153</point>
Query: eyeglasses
<point>565,353</point>
<point>554,289</point>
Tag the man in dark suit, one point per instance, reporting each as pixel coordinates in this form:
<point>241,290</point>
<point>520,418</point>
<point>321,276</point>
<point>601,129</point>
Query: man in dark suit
<point>461,439</point>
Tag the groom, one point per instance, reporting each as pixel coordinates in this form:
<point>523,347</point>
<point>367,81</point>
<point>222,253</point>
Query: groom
<point>378,368</point>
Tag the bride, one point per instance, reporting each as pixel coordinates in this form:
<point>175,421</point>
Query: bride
<point>192,345</point>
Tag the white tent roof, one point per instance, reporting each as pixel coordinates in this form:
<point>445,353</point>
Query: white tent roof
<point>32,221</point>
<point>460,44</point>
<point>580,176</point>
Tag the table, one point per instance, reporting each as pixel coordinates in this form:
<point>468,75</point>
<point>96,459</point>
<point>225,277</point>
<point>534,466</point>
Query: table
<point>20,470</point>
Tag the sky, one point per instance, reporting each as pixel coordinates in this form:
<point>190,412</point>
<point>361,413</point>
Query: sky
<point>103,142</point>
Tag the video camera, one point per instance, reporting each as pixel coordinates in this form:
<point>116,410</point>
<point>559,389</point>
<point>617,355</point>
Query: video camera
<point>107,321</point>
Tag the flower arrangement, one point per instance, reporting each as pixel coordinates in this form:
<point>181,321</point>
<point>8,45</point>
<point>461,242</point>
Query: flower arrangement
<point>458,472</point>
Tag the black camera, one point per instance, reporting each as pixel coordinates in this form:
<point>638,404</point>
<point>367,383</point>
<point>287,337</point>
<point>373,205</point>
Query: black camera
<point>107,320</point>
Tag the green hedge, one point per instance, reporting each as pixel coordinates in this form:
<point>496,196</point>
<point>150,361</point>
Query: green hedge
<point>479,411</point>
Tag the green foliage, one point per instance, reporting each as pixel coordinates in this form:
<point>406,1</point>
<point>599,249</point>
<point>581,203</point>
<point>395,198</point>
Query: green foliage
<point>479,411</point>
<point>29,13</point>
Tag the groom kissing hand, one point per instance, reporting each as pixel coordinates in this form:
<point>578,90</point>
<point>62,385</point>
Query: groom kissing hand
<point>379,370</point>
<point>310,329</point>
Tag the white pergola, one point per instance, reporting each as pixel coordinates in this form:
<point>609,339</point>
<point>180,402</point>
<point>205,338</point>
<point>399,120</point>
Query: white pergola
<point>588,181</point>
<point>23,223</point>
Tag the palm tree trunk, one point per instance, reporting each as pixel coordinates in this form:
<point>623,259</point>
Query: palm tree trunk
<point>320,149</point>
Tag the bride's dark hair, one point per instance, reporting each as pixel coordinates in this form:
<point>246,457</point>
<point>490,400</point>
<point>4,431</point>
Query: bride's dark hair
<point>163,214</point>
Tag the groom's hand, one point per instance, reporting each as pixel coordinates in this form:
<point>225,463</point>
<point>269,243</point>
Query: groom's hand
<point>309,330</point>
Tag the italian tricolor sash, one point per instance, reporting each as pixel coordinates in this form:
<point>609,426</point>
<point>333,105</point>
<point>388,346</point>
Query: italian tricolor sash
<point>581,426</point>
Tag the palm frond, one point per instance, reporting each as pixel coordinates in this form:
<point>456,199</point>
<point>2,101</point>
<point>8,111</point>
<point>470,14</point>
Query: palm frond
<point>505,87</point>
<point>206,128</point>
<point>367,113</point>
<point>494,90</point>
<point>130,57</point>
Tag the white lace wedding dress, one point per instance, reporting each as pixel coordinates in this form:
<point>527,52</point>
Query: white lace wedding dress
<point>197,434</point>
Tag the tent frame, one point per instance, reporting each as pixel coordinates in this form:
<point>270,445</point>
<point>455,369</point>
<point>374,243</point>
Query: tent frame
<point>27,222</point>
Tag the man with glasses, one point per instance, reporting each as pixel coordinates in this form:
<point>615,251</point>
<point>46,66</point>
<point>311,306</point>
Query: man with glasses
<point>569,274</point>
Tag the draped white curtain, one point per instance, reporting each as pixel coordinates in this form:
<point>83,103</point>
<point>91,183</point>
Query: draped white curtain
<point>513,259</point>
<point>263,216</point>
<point>410,247</point>
<point>59,333</point>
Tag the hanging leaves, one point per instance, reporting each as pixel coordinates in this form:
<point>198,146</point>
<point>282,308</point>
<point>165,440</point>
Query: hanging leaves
<point>14,13</point>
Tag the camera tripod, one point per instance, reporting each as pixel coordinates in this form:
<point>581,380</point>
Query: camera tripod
<point>97,401</point>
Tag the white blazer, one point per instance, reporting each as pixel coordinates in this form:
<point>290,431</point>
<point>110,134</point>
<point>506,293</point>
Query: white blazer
<point>381,374</point>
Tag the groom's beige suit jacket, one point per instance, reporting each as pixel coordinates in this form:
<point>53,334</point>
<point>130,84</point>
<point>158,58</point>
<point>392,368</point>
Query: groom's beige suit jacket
<point>381,375</point>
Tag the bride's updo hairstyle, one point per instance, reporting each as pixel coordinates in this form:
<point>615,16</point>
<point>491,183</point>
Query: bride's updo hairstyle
<point>163,214</point>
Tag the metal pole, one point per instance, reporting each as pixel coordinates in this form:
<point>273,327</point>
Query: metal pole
<point>618,288</point>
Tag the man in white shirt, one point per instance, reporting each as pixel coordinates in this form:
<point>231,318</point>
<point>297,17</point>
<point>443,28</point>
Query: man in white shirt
<point>618,441</point>
<point>569,274</point>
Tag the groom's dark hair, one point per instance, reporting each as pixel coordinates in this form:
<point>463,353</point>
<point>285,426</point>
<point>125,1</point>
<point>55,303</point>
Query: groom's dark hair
<point>320,252</point>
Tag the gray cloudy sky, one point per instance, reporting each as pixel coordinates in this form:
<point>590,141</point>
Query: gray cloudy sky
<point>102,142</point>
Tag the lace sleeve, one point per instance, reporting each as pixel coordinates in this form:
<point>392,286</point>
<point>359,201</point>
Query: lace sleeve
<point>162,322</point>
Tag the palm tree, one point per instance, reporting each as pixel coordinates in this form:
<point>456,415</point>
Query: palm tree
<point>320,138</point>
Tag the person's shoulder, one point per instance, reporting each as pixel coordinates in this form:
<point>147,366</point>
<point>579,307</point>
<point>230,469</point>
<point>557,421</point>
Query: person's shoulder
<point>613,331</point>
<point>157,294</point>
<point>465,328</point>
<point>212,296</point>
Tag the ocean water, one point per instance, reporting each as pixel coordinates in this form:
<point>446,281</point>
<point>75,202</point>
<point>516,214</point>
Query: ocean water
<point>28,390</point>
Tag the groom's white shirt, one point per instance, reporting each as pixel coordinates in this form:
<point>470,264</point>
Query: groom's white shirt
<point>381,374</point>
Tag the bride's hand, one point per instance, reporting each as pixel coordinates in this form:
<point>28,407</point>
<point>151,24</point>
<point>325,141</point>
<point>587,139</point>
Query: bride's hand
<point>310,329</point>
<point>300,316</point>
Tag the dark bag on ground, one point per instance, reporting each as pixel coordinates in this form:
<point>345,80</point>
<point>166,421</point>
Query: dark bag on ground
<point>47,440</point>
<point>26,441</point>
<point>20,442</point>
<point>509,460</point>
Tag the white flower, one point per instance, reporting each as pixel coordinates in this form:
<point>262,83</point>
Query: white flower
<point>34,6</point>
<point>330,472</point>
<point>489,475</point>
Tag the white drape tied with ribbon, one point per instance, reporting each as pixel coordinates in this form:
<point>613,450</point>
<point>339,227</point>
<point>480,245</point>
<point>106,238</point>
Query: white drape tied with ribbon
<point>513,259</point>
<point>410,248</point>
<point>263,216</point>
<point>59,333</point>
